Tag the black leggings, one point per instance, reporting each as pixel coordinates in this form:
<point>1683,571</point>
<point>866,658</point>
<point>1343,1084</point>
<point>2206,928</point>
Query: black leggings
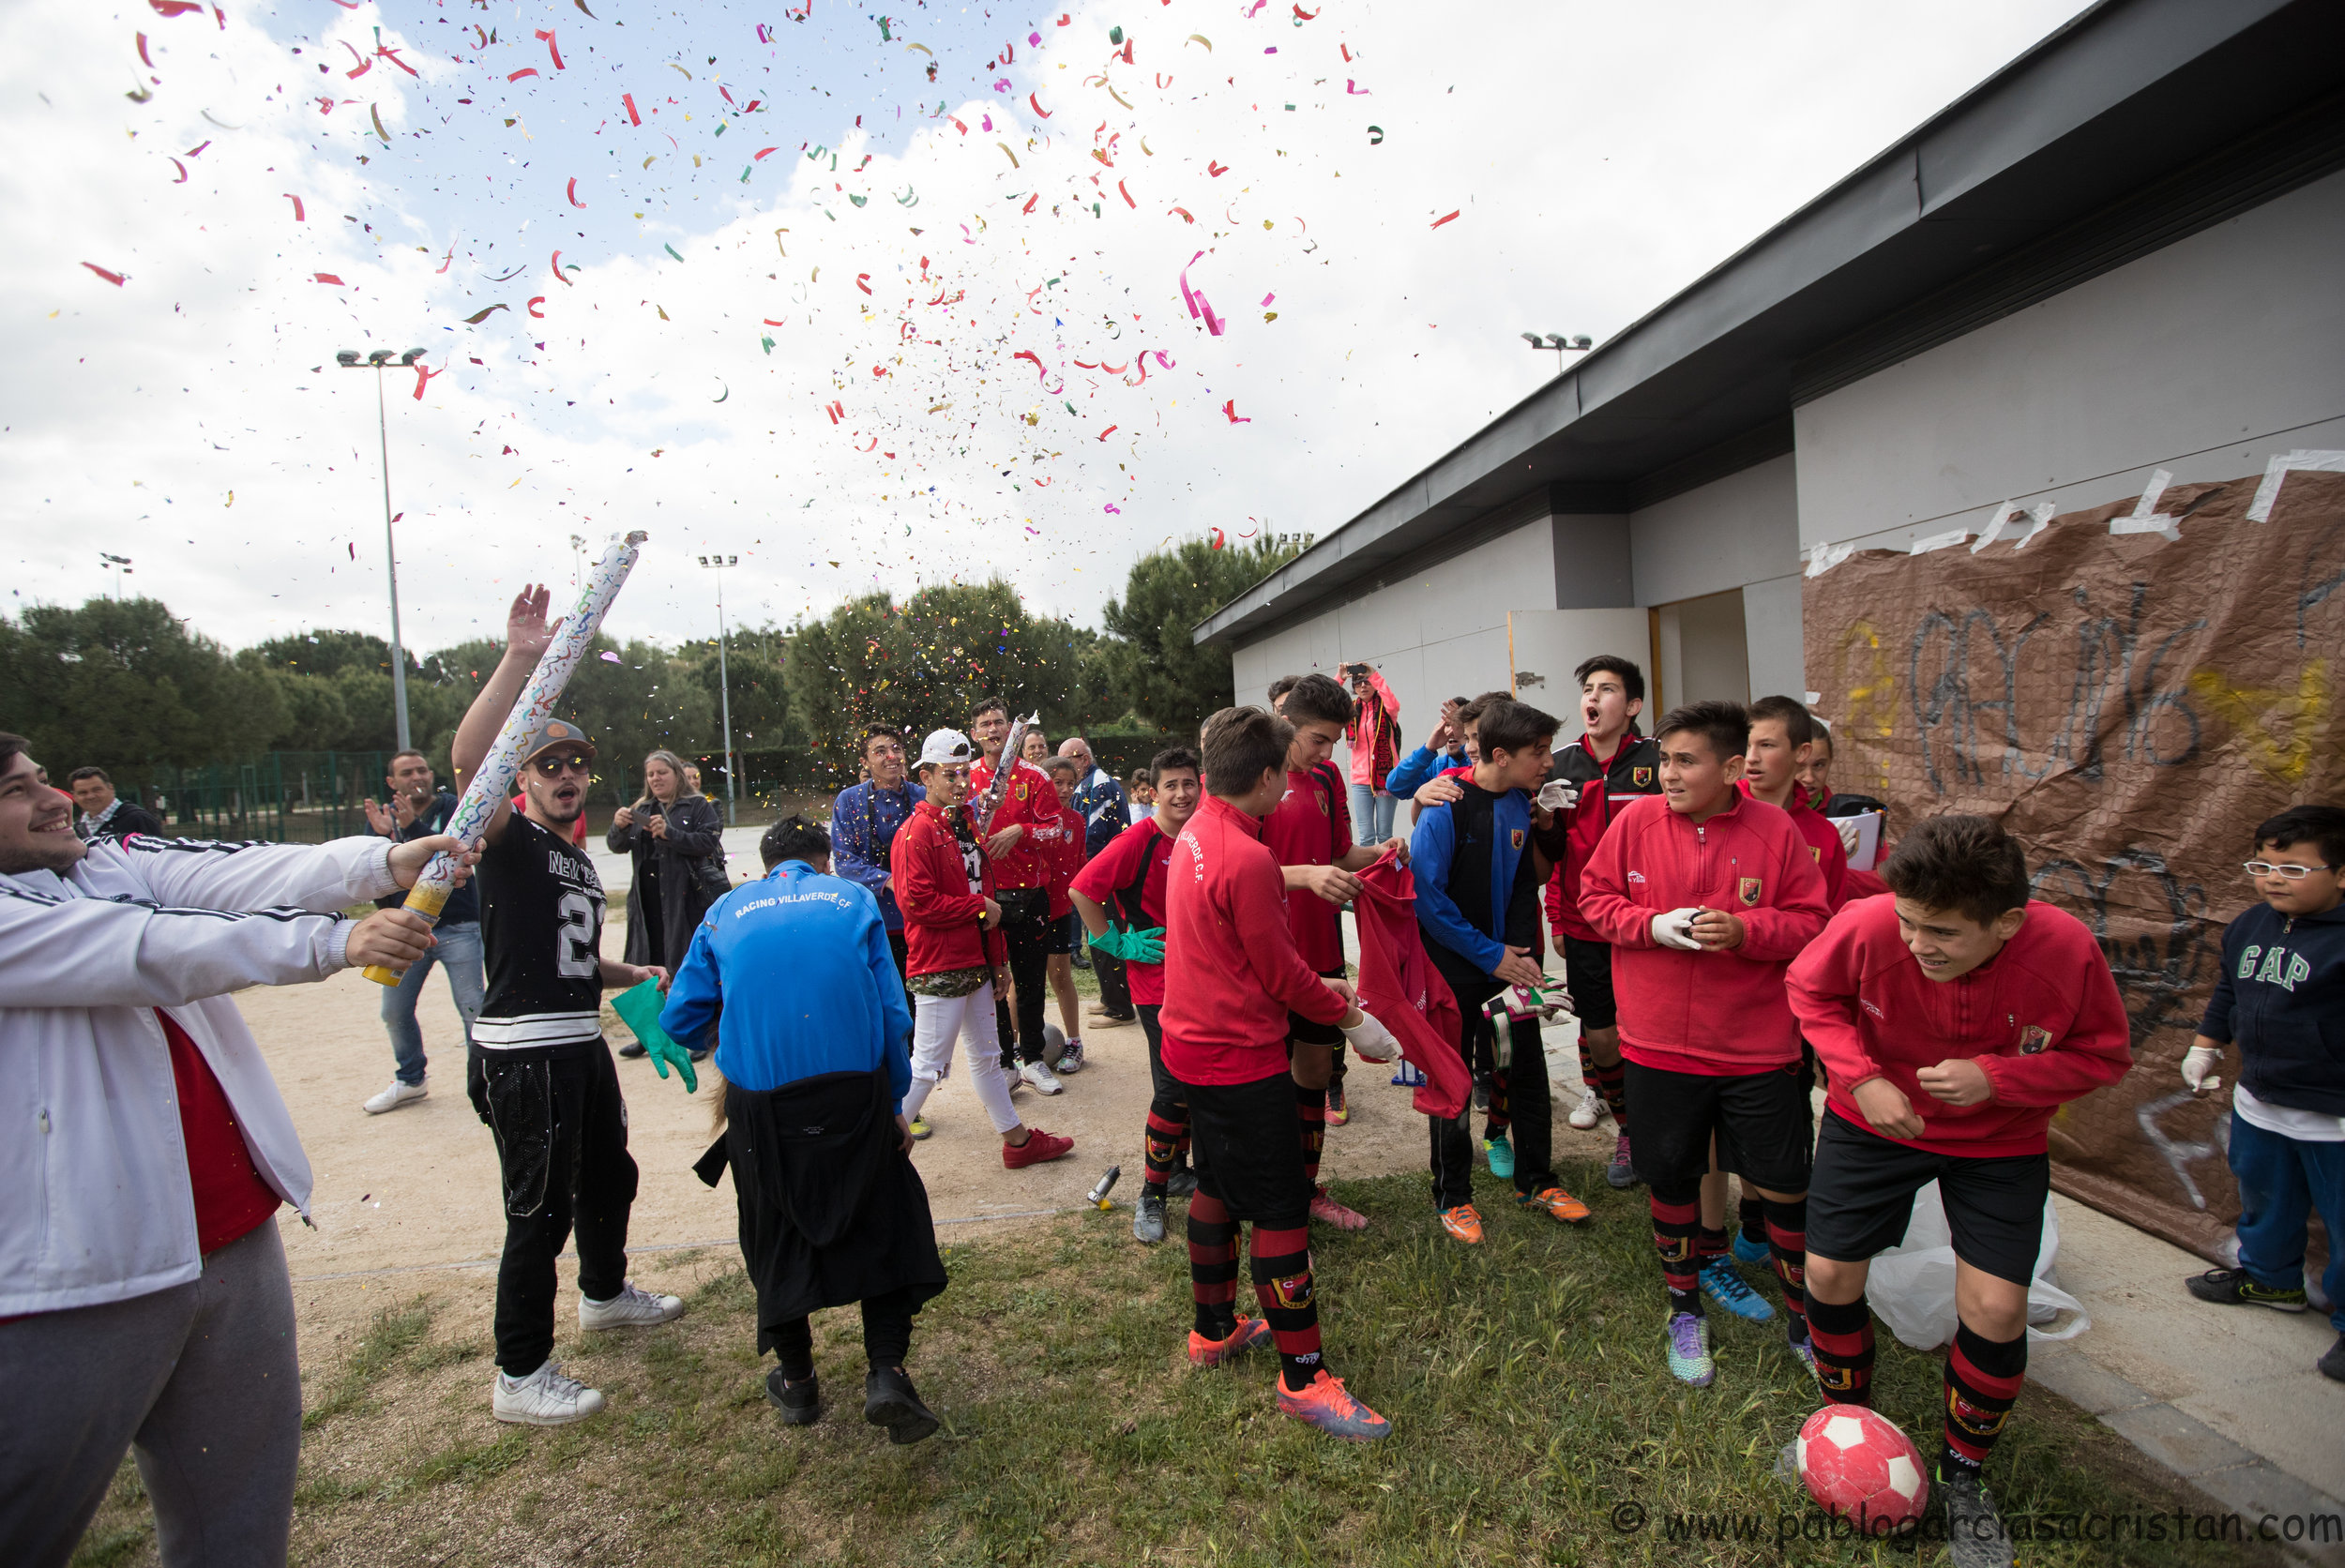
<point>886,1336</point>
<point>1029,970</point>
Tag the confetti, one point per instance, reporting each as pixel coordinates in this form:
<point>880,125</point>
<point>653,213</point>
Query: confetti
<point>113,277</point>
<point>1439,221</point>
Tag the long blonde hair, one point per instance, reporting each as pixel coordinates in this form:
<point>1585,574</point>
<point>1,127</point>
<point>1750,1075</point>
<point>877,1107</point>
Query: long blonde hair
<point>676,765</point>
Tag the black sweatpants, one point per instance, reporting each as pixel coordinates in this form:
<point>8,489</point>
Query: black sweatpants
<point>1115,986</point>
<point>886,1336</point>
<point>1529,1102</point>
<point>560,1125</point>
<point>1029,961</point>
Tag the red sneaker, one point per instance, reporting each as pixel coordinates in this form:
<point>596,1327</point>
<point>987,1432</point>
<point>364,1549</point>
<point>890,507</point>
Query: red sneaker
<point>1324,1404</point>
<point>1213,1352</point>
<point>1038,1149</point>
<point>1328,1211</point>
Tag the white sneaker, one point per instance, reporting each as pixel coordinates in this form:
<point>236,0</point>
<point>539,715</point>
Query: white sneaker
<point>398,1094</point>
<point>544,1398</point>
<point>1039,1076</point>
<point>630,1308</point>
<point>1586,1113</point>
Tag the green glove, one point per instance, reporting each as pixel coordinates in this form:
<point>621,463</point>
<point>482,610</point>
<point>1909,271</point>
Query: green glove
<point>1139,947</point>
<point>638,1009</point>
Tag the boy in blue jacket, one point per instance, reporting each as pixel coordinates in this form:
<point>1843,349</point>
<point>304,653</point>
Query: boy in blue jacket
<point>2282,1000</point>
<point>1479,867</point>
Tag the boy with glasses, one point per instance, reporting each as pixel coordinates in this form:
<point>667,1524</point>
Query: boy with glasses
<point>539,1072</point>
<point>2279,999</point>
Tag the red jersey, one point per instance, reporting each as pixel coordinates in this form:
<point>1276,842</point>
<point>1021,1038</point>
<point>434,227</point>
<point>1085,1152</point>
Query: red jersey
<point>1065,849</point>
<point>942,881</point>
<point>1703,1012</point>
<point>1031,799</point>
<point>1313,826</point>
<point>1231,972</point>
<point>1127,879</point>
<point>1605,789</point>
<point>231,1198</point>
<point>2042,1019</point>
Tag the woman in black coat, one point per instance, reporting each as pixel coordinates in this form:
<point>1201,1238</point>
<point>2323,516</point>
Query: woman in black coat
<point>674,837</point>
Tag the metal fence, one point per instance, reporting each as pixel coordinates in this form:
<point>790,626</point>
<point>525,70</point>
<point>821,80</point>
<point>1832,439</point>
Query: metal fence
<point>303,797</point>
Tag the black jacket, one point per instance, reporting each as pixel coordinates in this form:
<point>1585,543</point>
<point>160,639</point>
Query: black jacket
<point>2281,997</point>
<point>691,865</point>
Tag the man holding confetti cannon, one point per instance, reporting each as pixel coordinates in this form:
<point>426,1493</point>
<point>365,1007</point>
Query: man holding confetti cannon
<point>540,1074</point>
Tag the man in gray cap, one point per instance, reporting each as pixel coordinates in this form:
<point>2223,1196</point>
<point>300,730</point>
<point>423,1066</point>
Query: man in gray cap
<point>540,1073</point>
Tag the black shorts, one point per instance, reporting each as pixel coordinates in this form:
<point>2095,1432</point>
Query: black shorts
<point>1862,1195</point>
<point>1303,1031</point>
<point>1245,1144</point>
<point>1060,936</point>
<point>1588,972</point>
<point>1764,1127</point>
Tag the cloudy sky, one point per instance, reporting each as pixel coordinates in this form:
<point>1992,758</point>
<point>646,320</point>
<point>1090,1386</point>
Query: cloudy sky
<point>868,299</point>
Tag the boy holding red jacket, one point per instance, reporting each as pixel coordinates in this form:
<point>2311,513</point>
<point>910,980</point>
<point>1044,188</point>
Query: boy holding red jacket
<point>1231,975</point>
<point>1954,1017</point>
<point>1706,895</point>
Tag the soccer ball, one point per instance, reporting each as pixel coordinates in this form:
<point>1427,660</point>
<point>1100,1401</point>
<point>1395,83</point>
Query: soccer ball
<point>1857,1464</point>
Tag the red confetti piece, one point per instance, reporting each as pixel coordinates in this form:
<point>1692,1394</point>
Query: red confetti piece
<point>552,48</point>
<point>1439,221</point>
<point>1030,202</point>
<point>1126,194</point>
<point>1184,214</point>
<point>113,277</point>
<point>174,8</point>
<point>1215,170</point>
<point>525,70</point>
<point>1355,89</point>
<point>1217,540</point>
<point>1109,431</point>
<point>142,59</point>
<point>557,272</point>
<point>423,375</point>
<point>632,117</point>
<point>835,412</point>
<point>299,216</point>
<point>574,201</point>
<point>1230,408</point>
<point>183,171</point>
<point>1037,106</point>
<point>392,55</point>
<point>863,282</point>
<point>329,278</point>
<point>533,307</point>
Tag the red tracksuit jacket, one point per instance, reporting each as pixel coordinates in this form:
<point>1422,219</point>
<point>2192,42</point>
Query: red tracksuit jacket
<point>1824,846</point>
<point>1400,985</point>
<point>1232,973</point>
<point>1065,853</point>
<point>1605,790</point>
<point>1031,799</point>
<point>2042,1017</point>
<point>1720,1013</point>
<point>941,905</point>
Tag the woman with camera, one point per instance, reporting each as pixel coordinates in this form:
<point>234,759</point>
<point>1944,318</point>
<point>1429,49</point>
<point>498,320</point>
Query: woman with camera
<point>674,837</point>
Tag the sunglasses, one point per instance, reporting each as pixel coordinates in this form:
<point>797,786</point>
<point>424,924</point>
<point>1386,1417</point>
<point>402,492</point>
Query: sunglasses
<point>2288,873</point>
<point>553,767</point>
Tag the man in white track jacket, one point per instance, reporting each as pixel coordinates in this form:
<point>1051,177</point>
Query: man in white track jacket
<point>144,1153</point>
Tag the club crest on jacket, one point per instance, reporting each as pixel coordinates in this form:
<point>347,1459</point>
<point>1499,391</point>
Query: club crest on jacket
<point>1749,892</point>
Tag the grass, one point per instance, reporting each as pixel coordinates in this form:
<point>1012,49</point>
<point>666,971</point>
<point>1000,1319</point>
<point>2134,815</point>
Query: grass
<point>1533,1416</point>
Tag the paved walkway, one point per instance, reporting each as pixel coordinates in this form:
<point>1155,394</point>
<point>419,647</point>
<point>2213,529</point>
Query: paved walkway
<point>2225,1396</point>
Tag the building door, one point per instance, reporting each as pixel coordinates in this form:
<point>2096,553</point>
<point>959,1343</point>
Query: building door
<point>1701,651</point>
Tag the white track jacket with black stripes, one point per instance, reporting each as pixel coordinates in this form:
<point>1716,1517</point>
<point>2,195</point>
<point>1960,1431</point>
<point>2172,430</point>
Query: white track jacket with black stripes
<point>95,1202</point>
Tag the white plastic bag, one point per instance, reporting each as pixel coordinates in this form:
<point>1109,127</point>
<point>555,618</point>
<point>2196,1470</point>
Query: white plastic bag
<point>1912,1285</point>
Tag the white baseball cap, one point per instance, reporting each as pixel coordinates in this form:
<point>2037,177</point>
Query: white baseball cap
<point>948,748</point>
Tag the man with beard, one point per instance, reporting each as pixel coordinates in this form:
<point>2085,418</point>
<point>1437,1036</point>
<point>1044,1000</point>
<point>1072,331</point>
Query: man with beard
<point>416,809</point>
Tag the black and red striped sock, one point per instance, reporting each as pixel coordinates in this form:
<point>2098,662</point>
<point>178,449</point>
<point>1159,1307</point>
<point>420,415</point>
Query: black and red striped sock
<point>1311,1109</point>
<point>1787,1239</point>
<point>1983,1378</point>
<point>1611,1083</point>
<point>1498,1118</point>
<point>1709,1246</point>
<point>1213,1266</point>
<point>1160,1149</point>
<point>1281,1262</point>
<point>1673,1228</point>
<point>1842,1338</point>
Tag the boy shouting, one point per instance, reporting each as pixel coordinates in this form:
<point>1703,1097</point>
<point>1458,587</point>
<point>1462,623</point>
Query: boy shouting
<point>1954,1018</point>
<point>1705,895</point>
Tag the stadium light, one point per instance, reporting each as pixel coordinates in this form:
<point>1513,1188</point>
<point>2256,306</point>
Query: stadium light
<point>349,360</point>
<point>725,683</point>
<point>118,566</point>
<point>1560,343</point>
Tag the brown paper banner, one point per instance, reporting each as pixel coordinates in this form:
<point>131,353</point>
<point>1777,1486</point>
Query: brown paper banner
<point>2129,707</point>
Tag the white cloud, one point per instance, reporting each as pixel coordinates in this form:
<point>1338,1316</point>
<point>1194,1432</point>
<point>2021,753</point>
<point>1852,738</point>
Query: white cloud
<point>1599,157</point>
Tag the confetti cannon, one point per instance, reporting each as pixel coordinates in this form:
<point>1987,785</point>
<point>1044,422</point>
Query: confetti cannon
<point>1097,1196</point>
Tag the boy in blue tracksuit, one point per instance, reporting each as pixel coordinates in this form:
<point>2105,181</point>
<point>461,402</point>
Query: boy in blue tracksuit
<point>812,1032</point>
<point>2282,1000</point>
<point>863,824</point>
<point>1479,867</point>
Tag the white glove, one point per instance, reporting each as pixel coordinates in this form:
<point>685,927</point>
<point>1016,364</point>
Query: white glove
<point>1673,929</point>
<point>1371,1041</point>
<point>2195,1062</point>
<point>1846,827</point>
<point>1558,795</point>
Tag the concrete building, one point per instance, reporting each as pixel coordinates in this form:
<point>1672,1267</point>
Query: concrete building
<point>2124,251</point>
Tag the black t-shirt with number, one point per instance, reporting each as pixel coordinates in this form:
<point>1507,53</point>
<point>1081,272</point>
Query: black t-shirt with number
<point>541,938</point>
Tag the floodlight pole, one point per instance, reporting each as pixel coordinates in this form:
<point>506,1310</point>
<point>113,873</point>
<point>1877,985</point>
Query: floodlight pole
<point>724,681</point>
<point>390,560</point>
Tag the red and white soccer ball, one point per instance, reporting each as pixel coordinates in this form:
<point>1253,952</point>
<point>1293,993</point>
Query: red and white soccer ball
<point>1857,1464</point>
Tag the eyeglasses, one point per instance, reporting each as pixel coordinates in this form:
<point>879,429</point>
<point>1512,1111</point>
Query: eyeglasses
<point>553,767</point>
<point>2288,873</point>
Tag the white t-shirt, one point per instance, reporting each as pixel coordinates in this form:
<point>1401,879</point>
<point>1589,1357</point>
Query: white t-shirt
<point>2305,1126</point>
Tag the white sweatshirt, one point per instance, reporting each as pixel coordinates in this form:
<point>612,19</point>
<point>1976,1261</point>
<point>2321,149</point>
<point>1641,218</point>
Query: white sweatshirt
<point>95,1201</point>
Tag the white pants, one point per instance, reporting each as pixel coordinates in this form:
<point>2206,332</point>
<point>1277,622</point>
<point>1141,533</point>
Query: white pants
<point>937,1021</point>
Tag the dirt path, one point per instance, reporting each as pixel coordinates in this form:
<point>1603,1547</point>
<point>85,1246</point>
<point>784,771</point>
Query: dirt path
<point>416,1189</point>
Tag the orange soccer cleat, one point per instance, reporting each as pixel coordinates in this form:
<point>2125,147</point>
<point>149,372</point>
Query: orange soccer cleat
<point>1250,1332</point>
<point>1324,1404</point>
<point>1463,1223</point>
<point>1556,1201</point>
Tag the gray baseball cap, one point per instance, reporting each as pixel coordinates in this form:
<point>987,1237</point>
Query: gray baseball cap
<point>554,732</point>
